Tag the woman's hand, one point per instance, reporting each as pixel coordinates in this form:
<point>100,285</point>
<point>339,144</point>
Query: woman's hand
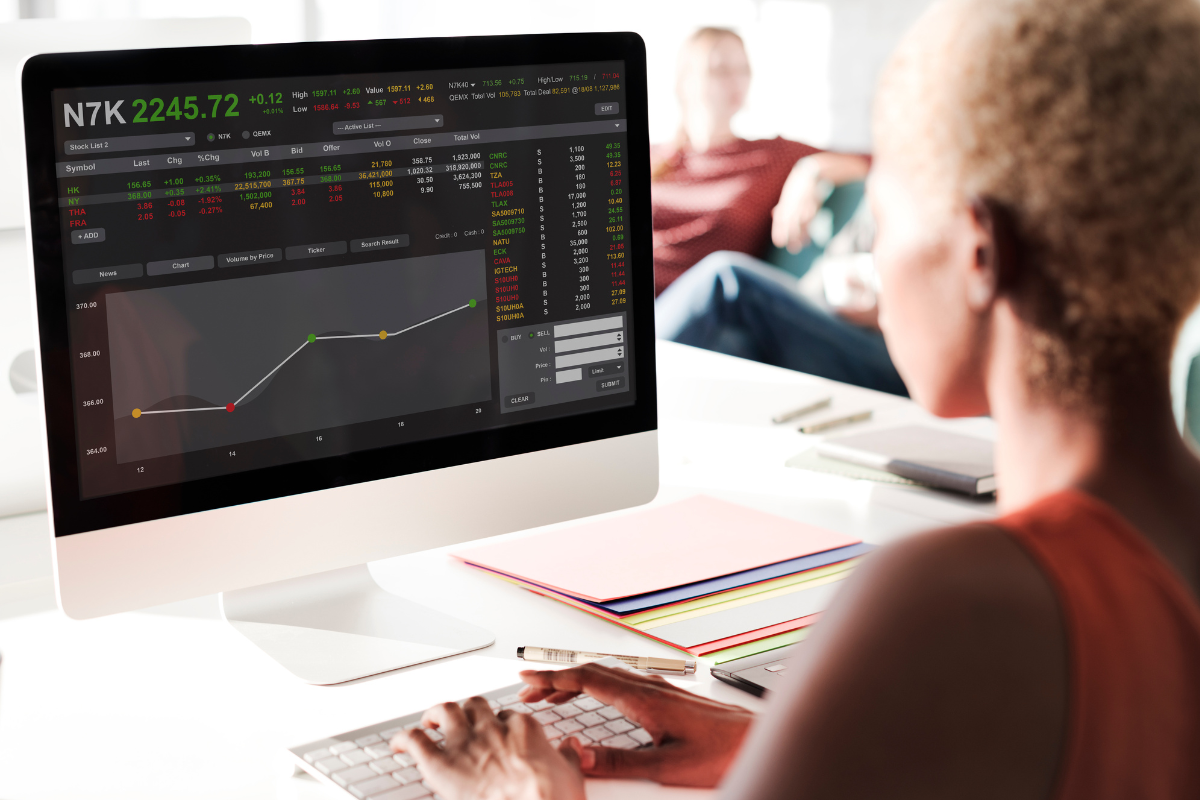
<point>484,755</point>
<point>695,739</point>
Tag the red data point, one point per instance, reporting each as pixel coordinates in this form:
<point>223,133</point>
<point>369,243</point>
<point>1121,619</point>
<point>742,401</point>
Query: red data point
<point>229,408</point>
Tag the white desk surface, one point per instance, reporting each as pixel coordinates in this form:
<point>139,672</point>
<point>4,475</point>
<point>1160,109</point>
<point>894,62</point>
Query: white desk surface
<point>172,702</point>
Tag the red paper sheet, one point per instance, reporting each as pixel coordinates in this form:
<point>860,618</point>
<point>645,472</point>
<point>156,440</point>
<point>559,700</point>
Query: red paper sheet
<point>648,551</point>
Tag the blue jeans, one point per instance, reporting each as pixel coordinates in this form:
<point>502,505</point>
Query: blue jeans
<point>735,304</point>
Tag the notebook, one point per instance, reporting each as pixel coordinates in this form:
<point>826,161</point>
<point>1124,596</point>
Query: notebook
<point>927,455</point>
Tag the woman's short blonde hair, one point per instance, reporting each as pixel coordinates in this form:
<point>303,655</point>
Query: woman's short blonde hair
<point>1081,118</point>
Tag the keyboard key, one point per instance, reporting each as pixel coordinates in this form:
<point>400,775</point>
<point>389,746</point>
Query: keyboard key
<point>434,734</point>
<point>597,733</point>
<point>519,708</point>
<point>590,719</point>
<point>384,766</point>
<point>544,717</point>
<point>568,710</point>
<point>381,750</point>
<point>354,757</point>
<point>568,726</point>
<point>379,783</point>
<point>608,712</point>
<point>341,747</point>
<point>587,703</point>
<point>620,726</point>
<point>509,699</point>
<point>353,775</point>
<point>331,764</point>
<point>318,755</point>
<point>493,705</point>
<point>410,792</point>
<point>374,738</point>
<point>551,732</point>
<point>407,775</point>
<point>404,759</point>
<point>540,705</point>
<point>621,742</point>
<point>389,733</point>
<point>640,736</point>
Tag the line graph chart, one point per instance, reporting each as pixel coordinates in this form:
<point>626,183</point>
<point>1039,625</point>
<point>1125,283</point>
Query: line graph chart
<point>312,338</point>
<point>288,352</point>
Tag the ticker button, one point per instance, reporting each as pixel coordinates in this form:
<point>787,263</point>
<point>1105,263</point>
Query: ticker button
<point>607,108</point>
<point>378,243</point>
<point>89,236</point>
<point>106,274</point>
<point>608,384</point>
<point>523,399</point>
<point>174,265</point>
<point>316,250</point>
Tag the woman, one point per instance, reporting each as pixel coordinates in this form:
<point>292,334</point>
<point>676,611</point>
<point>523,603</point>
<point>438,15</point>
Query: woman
<point>1038,206</point>
<point>712,191</point>
<point>717,201</point>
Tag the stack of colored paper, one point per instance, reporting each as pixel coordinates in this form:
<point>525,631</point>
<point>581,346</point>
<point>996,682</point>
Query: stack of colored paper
<point>711,578</point>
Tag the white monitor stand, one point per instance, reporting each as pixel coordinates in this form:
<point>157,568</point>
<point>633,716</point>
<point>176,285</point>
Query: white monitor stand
<point>335,623</point>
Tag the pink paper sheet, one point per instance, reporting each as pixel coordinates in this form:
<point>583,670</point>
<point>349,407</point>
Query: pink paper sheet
<point>692,540</point>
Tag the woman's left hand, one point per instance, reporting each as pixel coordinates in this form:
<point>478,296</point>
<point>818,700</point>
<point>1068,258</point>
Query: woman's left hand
<point>498,757</point>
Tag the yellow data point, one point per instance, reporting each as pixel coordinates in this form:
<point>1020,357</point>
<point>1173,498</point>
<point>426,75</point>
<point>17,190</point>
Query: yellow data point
<point>137,412</point>
<point>383,334</point>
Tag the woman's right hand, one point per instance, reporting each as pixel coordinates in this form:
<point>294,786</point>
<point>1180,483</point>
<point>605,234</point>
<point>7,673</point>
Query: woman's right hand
<point>695,739</point>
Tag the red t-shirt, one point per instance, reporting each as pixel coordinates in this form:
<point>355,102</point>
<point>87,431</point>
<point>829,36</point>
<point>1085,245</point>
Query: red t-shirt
<point>717,200</point>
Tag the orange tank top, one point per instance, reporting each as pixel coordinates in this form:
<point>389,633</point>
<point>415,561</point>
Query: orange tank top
<point>1133,637</point>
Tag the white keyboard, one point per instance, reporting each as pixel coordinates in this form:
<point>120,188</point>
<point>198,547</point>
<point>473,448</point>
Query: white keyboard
<point>361,762</point>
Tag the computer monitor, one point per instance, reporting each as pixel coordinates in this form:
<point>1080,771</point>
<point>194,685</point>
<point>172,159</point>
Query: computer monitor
<point>305,306</point>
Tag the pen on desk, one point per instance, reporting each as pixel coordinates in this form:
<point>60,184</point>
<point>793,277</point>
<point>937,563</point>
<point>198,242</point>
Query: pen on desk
<point>788,416</point>
<point>817,427</point>
<point>663,666</point>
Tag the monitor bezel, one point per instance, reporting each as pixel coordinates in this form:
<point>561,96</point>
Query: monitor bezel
<point>44,73</point>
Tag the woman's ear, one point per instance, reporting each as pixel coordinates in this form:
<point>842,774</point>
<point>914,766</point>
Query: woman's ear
<point>996,261</point>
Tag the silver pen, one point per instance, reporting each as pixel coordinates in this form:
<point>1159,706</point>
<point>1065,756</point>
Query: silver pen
<point>837,422</point>
<point>788,416</point>
<point>662,666</point>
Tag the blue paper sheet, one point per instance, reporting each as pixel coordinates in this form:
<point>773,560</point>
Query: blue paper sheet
<point>690,591</point>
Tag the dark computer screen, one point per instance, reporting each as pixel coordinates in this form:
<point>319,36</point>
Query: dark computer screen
<point>270,271</point>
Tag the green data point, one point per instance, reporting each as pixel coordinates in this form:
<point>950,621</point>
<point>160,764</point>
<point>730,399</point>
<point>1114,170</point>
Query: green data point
<point>471,304</point>
<point>312,337</point>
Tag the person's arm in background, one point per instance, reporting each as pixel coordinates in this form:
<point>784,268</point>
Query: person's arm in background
<point>805,191</point>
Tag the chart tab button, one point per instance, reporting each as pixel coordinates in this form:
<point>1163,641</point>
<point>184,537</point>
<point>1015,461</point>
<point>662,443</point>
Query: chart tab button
<point>316,250</point>
<point>174,265</point>
<point>106,274</point>
<point>89,236</point>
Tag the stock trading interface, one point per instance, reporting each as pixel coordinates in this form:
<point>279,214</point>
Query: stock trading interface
<point>267,271</point>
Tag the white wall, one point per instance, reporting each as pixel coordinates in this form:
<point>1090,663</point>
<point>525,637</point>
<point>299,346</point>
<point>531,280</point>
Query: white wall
<point>815,61</point>
<point>864,34</point>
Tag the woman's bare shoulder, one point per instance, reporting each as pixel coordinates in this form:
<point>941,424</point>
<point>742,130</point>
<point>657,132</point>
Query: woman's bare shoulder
<point>945,659</point>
